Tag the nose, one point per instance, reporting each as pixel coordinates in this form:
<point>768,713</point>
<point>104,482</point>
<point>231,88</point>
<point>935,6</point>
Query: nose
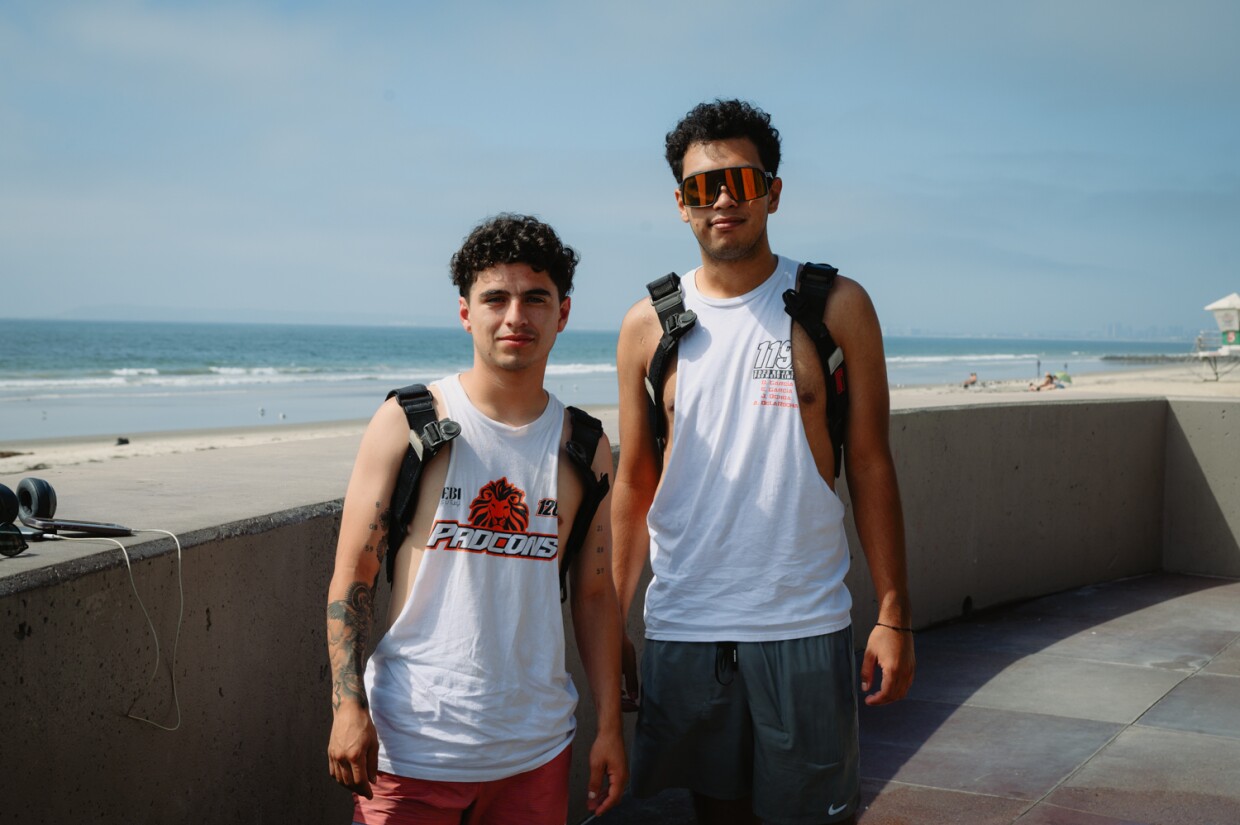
<point>514,314</point>
<point>724,199</point>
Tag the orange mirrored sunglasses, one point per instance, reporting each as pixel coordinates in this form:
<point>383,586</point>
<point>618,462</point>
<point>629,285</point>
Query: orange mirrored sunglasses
<point>745,183</point>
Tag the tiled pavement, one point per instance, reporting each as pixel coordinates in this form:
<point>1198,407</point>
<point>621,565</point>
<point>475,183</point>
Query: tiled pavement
<point>1109,705</point>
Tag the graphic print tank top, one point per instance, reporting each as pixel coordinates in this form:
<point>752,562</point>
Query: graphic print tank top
<point>469,683</point>
<point>746,538</point>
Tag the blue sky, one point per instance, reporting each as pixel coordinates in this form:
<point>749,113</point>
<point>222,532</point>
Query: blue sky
<point>981,167</point>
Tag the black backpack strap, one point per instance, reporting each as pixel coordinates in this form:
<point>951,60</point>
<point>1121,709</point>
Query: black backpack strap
<point>675,320</point>
<point>807,304</point>
<point>431,434</point>
<point>584,435</point>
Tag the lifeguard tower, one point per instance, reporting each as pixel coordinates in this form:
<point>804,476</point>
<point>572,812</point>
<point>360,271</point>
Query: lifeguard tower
<point>1227,316</point>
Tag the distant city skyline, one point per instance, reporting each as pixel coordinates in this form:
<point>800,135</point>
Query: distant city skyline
<point>1054,169</point>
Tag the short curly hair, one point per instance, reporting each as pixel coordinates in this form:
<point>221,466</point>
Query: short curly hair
<point>721,120</point>
<point>509,238</point>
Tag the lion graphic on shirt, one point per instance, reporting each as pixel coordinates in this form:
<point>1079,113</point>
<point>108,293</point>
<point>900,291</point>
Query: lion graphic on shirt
<point>500,506</point>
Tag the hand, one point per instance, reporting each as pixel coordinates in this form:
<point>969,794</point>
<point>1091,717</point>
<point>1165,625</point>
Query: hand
<point>631,691</point>
<point>606,759</point>
<point>353,750</point>
<point>892,651</point>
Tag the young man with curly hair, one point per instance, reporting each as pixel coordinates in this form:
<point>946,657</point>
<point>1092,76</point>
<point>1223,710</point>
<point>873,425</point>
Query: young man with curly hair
<point>464,713</point>
<point>749,692</point>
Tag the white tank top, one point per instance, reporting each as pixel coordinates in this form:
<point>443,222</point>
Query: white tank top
<point>469,683</point>
<point>746,538</point>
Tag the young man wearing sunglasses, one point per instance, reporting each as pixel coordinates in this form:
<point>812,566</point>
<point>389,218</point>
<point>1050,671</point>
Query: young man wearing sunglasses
<point>464,712</point>
<point>748,680</point>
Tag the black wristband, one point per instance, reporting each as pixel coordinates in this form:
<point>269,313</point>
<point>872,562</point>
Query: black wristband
<point>908,630</point>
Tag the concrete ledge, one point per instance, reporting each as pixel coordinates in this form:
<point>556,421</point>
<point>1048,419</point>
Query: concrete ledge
<point>1005,503</point>
<point>1201,514</point>
<point>82,558</point>
<point>1002,503</point>
<point>250,677</point>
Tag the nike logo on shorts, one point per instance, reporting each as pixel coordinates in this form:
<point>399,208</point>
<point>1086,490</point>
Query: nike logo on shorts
<point>832,811</point>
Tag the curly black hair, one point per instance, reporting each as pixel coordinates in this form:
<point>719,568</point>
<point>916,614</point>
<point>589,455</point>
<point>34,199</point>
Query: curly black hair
<point>721,120</point>
<point>509,238</point>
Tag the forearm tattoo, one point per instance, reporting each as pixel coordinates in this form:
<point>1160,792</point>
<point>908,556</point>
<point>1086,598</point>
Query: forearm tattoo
<point>348,631</point>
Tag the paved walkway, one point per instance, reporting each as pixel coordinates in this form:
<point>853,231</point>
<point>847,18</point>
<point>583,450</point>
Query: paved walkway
<point>1109,705</point>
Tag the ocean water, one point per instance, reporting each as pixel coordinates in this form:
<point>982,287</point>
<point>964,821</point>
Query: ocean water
<point>74,378</point>
<point>919,361</point>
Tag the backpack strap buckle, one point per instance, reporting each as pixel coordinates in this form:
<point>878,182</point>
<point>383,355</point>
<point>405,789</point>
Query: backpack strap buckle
<point>669,303</point>
<point>436,434</point>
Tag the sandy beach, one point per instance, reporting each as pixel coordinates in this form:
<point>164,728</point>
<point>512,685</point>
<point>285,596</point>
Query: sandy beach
<point>1171,381</point>
<point>1188,380</point>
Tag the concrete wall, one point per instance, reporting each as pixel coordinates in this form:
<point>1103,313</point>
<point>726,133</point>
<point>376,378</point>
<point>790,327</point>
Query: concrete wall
<point>1005,503</point>
<point>1201,502</point>
<point>1001,503</point>
<point>251,678</point>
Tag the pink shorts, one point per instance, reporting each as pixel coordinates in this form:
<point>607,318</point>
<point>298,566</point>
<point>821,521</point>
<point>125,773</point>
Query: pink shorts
<point>530,798</point>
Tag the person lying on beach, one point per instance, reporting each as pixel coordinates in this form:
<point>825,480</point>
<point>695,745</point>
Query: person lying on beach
<point>465,708</point>
<point>971,380</point>
<point>749,691</point>
<point>1048,383</point>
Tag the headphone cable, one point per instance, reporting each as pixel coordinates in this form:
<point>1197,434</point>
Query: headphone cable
<point>180,618</point>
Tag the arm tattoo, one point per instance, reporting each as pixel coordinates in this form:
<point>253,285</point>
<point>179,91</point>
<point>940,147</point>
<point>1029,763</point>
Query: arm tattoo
<point>348,631</point>
<point>379,529</point>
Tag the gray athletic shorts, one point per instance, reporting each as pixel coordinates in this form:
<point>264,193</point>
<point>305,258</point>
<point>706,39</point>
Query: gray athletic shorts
<point>771,721</point>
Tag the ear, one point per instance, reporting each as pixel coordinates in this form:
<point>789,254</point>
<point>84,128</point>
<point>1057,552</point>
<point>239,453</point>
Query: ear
<point>565,306</point>
<point>465,315</point>
<point>680,204</point>
<point>777,186</point>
